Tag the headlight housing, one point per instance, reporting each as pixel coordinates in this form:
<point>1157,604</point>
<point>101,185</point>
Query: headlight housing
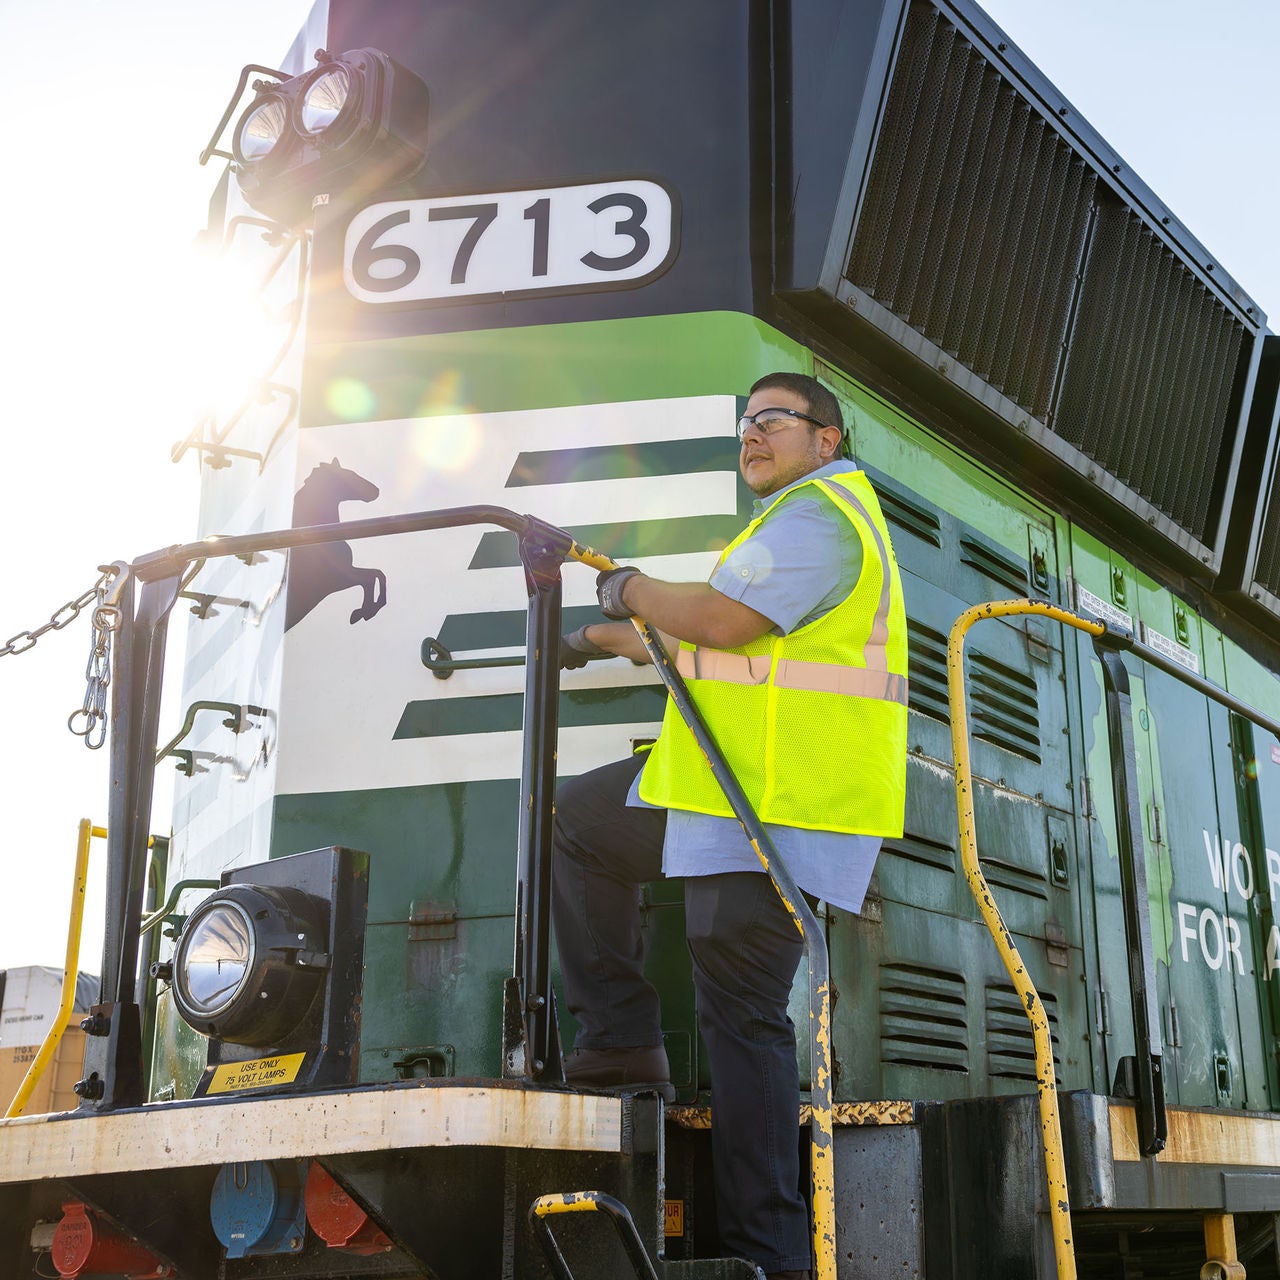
<point>250,962</point>
<point>350,127</point>
<point>327,96</point>
<point>265,128</point>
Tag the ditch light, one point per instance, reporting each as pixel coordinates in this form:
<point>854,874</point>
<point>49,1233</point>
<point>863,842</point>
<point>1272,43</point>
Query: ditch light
<point>269,967</point>
<point>353,125</point>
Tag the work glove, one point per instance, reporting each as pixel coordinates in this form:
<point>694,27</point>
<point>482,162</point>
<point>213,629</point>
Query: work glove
<point>609,586</point>
<point>576,650</point>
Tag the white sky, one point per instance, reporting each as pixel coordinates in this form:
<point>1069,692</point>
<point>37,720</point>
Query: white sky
<point>112,103</point>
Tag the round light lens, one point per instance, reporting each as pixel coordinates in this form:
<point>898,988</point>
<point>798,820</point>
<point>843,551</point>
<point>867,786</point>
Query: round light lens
<point>261,129</point>
<point>324,99</point>
<point>217,954</point>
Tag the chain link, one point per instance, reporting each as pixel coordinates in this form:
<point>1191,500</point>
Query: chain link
<point>89,720</point>
<point>92,714</point>
<point>62,617</point>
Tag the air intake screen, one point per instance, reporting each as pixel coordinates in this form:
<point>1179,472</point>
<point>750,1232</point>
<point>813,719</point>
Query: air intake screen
<point>1268,572</point>
<point>1147,388</point>
<point>987,232</point>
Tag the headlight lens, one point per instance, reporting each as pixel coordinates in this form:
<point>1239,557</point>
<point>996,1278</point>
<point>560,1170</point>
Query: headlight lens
<point>216,956</point>
<point>261,129</point>
<point>250,961</point>
<point>324,99</point>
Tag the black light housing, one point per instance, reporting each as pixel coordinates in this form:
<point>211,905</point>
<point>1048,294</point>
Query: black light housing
<point>269,968</point>
<point>354,124</point>
<point>249,963</point>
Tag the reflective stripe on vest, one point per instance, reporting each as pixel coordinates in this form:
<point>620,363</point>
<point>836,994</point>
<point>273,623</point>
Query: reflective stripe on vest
<point>792,673</point>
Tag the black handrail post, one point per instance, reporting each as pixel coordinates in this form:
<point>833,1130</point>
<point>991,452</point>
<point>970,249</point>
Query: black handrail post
<point>113,1068</point>
<point>543,550</point>
<point>1149,1061</point>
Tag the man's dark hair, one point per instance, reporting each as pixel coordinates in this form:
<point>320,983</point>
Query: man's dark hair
<point>819,402</point>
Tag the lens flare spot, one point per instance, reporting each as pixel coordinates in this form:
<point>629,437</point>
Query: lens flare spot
<point>350,399</point>
<point>451,444</point>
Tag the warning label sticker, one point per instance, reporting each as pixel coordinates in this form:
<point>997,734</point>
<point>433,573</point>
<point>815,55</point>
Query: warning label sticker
<point>261,1073</point>
<point>673,1219</point>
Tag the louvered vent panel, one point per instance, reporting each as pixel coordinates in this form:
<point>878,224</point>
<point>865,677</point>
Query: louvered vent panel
<point>1004,707</point>
<point>975,215</point>
<point>902,513</point>
<point>1008,573</point>
<point>922,1018</point>
<point>1153,363</point>
<point>1011,1051</point>
<point>989,233</point>
<point>927,663</point>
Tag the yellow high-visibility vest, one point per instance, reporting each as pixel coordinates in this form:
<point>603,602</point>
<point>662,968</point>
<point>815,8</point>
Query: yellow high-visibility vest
<point>813,724</point>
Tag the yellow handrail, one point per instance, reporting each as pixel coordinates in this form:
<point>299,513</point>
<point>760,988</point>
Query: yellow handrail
<point>71,969</point>
<point>1046,1084</point>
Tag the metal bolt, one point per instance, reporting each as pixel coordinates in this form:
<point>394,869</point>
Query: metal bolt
<point>295,1243</point>
<point>91,1089</point>
<point>96,1024</point>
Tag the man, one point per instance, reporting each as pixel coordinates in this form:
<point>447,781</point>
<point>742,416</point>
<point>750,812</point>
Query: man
<point>795,654</point>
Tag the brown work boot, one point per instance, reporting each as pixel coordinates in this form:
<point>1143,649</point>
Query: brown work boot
<point>637,1070</point>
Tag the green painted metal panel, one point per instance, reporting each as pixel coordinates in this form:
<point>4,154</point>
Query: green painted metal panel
<point>545,366</point>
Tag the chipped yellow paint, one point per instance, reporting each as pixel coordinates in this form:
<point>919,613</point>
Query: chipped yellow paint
<point>568,1202</point>
<point>1046,1084</point>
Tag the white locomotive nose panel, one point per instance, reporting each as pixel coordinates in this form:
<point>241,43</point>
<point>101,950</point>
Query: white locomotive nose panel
<point>597,235</point>
<point>359,708</point>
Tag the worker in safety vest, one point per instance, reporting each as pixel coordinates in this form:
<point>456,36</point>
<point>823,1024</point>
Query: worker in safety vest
<point>795,653</point>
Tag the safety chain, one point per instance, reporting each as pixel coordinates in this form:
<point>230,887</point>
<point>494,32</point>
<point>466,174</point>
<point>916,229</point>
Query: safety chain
<point>106,617</point>
<point>92,714</point>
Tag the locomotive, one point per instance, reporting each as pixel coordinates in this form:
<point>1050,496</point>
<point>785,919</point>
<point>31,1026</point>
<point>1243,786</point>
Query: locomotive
<point>519,265</point>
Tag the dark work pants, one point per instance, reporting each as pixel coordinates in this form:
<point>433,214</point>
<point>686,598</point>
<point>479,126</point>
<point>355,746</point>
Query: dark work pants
<point>745,950</point>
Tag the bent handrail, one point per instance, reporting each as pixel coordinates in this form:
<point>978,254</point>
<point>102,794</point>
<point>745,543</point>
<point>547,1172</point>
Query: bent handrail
<point>71,967</point>
<point>1046,1084</point>
<point>1111,637</point>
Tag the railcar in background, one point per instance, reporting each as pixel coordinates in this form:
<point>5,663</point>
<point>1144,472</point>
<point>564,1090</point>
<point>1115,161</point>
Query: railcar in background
<point>514,258</point>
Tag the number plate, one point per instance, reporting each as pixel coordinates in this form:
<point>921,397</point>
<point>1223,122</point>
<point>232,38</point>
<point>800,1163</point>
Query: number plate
<point>596,235</point>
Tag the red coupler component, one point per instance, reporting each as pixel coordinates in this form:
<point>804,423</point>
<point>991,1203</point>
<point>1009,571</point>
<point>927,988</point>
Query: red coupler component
<point>83,1243</point>
<point>337,1219</point>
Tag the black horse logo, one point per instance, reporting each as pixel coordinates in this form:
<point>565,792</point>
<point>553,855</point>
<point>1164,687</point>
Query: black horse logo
<point>318,571</point>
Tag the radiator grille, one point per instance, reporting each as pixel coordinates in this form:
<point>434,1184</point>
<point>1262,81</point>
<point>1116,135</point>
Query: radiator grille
<point>975,215</point>
<point>1267,573</point>
<point>983,228</point>
<point>1153,362</point>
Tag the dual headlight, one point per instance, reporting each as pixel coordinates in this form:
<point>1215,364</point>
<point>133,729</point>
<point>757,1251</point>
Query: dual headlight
<point>353,124</point>
<point>313,110</point>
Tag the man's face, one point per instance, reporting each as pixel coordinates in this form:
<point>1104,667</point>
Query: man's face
<point>787,453</point>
